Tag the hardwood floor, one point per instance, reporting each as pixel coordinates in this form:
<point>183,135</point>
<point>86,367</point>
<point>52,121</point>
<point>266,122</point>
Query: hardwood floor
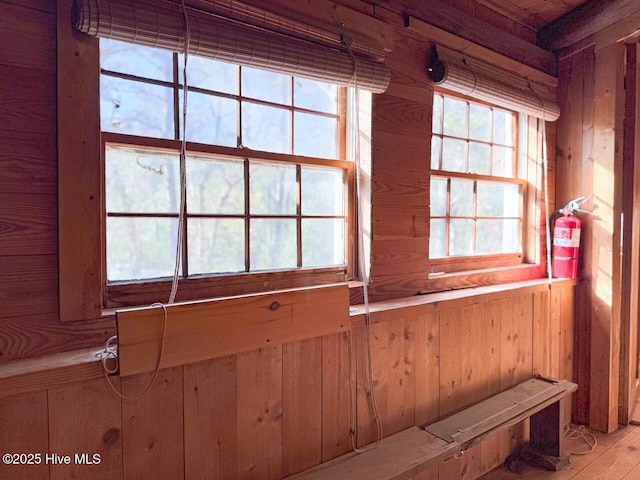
<point>615,457</point>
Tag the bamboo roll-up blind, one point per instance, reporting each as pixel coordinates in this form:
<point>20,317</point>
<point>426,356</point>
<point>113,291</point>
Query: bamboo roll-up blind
<point>459,73</point>
<point>161,24</point>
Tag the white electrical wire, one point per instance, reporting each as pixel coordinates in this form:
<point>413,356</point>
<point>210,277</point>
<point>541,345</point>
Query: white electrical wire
<point>111,348</point>
<point>580,432</point>
<point>369,387</point>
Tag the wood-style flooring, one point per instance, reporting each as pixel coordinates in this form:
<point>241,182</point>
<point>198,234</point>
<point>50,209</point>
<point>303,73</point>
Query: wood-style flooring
<point>615,457</point>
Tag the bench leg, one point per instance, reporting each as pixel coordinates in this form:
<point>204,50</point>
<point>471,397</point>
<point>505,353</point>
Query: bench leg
<point>546,446</point>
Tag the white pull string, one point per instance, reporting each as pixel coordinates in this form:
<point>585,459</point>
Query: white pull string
<point>111,349</point>
<point>369,387</point>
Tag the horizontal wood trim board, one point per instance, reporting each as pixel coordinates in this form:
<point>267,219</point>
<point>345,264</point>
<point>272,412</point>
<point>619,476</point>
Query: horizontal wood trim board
<point>49,371</point>
<point>490,56</point>
<point>384,311</point>
<point>475,50</point>
<point>197,331</point>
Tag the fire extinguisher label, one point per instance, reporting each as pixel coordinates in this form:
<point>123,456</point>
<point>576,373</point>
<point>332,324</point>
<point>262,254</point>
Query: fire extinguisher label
<point>566,237</point>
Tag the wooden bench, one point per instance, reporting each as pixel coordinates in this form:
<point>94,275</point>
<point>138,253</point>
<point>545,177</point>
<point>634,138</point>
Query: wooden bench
<point>415,449</point>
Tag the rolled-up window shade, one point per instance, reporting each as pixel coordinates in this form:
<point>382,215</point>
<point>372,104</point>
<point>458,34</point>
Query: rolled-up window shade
<point>459,73</point>
<point>161,24</point>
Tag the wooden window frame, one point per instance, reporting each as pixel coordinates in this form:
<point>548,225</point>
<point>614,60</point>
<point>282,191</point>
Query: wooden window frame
<point>463,271</point>
<point>81,234</point>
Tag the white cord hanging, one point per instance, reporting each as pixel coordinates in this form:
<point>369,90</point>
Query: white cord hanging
<point>111,349</point>
<point>373,406</point>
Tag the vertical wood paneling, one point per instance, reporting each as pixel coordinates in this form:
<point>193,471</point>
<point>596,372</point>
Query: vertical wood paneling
<point>80,227</point>
<point>466,467</point>
<point>366,431</point>
<point>491,347</point>
<point>301,405</point>
<point>153,426</point>
<point>393,360</point>
<point>210,419</point>
<point>461,358</point>
<point>427,354</point>
<point>337,393</point>
<point>86,418</point>
<point>541,355</point>
<point>24,429</point>
<point>260,414</point>
<point>605,314</point>
<point>566,342</point>
<point>517,340</point>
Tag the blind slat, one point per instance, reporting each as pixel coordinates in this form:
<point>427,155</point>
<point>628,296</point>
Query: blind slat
<point>161,25</point>
<point>479,80</point>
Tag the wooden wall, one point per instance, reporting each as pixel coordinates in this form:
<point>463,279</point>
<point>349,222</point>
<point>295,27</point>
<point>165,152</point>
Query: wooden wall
<point>591,96</point>
<point>275,411</point>
<point>269,412</point>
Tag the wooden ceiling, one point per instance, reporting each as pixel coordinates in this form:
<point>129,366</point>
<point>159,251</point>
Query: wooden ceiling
<point>533,14</point>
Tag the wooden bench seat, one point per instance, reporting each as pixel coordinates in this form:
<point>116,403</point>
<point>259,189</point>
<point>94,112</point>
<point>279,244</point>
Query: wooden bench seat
<point>415,449</point>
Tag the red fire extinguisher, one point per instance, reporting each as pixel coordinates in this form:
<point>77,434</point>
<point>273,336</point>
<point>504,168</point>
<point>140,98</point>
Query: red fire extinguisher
<point>566,240</point>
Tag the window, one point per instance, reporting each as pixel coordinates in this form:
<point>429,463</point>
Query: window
<point>477,191</point>
<point>267,180</point>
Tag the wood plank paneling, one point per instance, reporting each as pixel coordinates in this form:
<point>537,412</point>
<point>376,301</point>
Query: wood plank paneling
<point>541,354</point>
<point>260,413</point>
<point>210,419</point>
<point>80,224</point>
<point>17,37</point>
<point>28,285</point>
<point>605,314</point>
<point>28,224</point>
<point>152,426</point>
<point>40,334</point>
<point>461,358</point>
<point>393,358</point>
<point>32,104</point>
<point>337,391</point>
<point>28,163</point>
<point>427,368</point>
<point>301,405</point>
<point>517,340</point>
<point>24,429</point>
<point>86,418</point>
<point>196,331</point>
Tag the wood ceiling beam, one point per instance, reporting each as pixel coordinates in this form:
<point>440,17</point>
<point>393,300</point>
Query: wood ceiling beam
<point>443,16</point>
<point>584,22</point>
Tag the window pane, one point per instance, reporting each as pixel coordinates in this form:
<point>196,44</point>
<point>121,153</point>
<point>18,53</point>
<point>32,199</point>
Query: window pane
<point>479,158</point>
<point>147,62</point>
<point>212,120</point>
<point>498,200</point>
<point>273,189</point>
<point>503,123</point>
<point>461,198</point>
<point>210,74</point>
<point>461,237</point>
<point>322,242</point>
<point>141,181</point>
<point>215,245</point>
<point>437,114</point>
<point>437,238</point>
<point>454,155</point>
<point>264,85</point>
<point>479,122</point>
<point>315,136</point>
<point>322,191</point>
<point>215,185</point>
<point>436,143</point>
<point>266,128</point>
<point>315,95</point>
<point>503,162</point>
<point>438,198</point>
<point>455,118</point>
<point>141,248</point>
<point>136,108</point>
<point>273,244</point>
<point>498,236</point>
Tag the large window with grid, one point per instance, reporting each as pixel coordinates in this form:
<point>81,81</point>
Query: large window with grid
<point>268,186</point>
<point>477,189</point>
